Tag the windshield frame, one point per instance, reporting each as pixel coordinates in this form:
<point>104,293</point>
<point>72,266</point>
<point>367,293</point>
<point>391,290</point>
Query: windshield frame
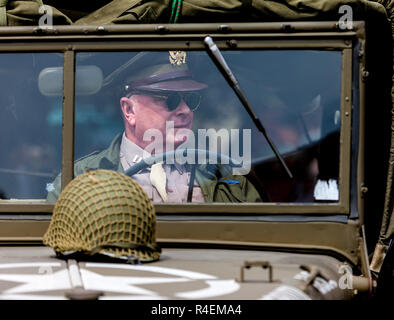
<point>268,36</point>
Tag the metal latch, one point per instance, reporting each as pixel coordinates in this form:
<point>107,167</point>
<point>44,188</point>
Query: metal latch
<point>263,264</point>
<point>313,273</point>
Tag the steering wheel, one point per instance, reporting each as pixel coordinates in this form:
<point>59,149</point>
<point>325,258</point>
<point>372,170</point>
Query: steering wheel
<point>174,154</point>
<point>226,161</point>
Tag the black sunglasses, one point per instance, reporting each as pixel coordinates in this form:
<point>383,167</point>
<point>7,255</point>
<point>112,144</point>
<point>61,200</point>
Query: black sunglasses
<point>172,100</point>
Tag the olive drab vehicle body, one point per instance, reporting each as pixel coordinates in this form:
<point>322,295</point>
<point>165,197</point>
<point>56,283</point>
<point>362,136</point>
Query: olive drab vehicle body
<point>292,99</point>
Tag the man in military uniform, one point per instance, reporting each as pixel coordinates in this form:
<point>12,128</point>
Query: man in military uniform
<point>159,89</point>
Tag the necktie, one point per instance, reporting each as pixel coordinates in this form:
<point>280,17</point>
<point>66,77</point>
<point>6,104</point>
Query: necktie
<point>159,180</point>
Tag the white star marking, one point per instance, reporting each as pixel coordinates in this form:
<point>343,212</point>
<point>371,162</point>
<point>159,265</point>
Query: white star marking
<point>121,284</point>
<point>94,282</point>
<point>133,298</point>
<point>29,265</point>
<point>170,271</point>
<point>123,287</point>
<point>216,288</point>
<point>30,297</point>
<point>59,280</point>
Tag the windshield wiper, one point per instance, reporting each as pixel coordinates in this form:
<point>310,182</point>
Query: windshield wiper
<point>216,56</point>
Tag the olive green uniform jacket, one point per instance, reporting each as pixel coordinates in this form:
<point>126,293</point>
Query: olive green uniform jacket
<point>216,183</point>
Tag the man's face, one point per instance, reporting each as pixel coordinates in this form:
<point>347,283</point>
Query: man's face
<point>142,112</point>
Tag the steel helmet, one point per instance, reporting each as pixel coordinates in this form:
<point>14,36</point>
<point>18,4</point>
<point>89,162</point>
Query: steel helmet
<point>107,212</point>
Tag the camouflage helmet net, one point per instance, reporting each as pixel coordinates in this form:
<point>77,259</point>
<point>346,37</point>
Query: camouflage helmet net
<point>106,212</point>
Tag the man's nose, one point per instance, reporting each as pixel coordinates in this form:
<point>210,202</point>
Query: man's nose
<point>182,109</point>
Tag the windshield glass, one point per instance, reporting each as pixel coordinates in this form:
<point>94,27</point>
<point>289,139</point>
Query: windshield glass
<point>174,112</point>
<point>30,124</point>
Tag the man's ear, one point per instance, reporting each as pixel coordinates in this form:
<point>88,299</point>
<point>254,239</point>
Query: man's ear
<point>128,110</point>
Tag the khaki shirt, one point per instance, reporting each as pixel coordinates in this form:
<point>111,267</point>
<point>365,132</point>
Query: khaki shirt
<point>177,176</point>
<point>216,183</point>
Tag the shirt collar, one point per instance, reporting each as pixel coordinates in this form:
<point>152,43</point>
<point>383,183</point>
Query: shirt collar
<point>134,154</point>
<point>131,151</point>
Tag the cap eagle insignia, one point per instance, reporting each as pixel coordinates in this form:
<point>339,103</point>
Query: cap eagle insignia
<point>177,57</point>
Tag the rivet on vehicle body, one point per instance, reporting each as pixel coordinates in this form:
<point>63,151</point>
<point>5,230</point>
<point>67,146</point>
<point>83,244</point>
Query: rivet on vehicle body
<point>100,29</point>
<point>365,73</point>
<point>232,43</point>
<point>224,28</point>
<point>162,29</point>
<point>287,27</point>
<point>39,31</point>
<point>347,98</point>
<point>346,113</point>
<point>364,189</point>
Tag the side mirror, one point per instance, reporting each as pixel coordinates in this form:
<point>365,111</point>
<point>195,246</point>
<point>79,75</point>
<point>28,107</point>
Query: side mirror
<point>88,80</point>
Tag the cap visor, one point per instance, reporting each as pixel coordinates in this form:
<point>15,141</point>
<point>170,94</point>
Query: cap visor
<point>178,85</point>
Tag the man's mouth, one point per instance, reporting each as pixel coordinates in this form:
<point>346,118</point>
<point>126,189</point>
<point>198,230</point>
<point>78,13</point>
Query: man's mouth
<point>182,125</point>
